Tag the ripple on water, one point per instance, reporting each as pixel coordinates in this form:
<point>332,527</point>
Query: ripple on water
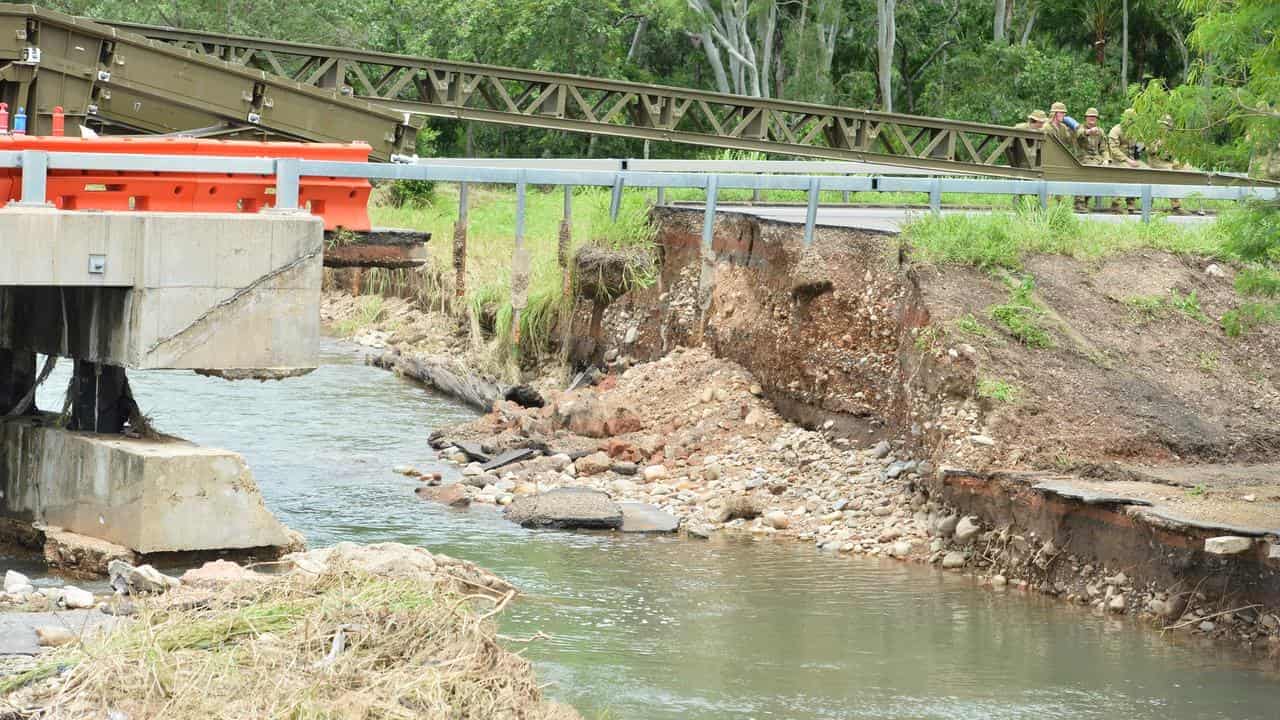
<point>655,628</point>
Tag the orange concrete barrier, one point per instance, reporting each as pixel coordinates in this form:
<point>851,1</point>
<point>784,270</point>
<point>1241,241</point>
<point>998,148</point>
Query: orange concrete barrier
<point>342,202</point>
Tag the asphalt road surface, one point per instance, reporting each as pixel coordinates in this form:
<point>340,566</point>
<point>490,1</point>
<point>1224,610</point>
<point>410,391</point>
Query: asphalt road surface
<point>892,219</point>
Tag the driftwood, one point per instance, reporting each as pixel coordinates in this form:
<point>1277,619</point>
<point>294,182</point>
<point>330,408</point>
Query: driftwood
<point>444,375</point>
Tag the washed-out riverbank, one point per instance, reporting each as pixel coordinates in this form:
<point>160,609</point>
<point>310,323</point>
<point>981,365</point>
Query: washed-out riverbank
<point>1089,465</point>
<point>645,628</point>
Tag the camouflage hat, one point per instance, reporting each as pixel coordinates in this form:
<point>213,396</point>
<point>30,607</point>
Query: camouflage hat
<point>1091,112</point>
<point>1037,116</point>
<point>1058,107</point>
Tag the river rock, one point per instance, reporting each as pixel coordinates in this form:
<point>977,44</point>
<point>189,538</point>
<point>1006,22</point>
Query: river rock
<point>473,470</point>
<point>144,579</point>
<point>407,470</point>
<point>1116,604</point>
<point>76,599</point>
<point>653,473</point>
<point>900,549</point>
<point>566,508</point>
<point>625,468</point>
<point>15,583</point>
<point>593,464</point>
<point>966,529</point>
<point>454,494</point>
<point>54,636</point>
<point>737,506</point>
<point>946,526</point>
<point>881,450</point>
<point>999,581</point>
<point>560,461</point>
<point>777,520</point>
<point>646,518</point>
<point>698,530</point>
<point>1227,545</point>
<point>953,559</point>
<point>219,573</point>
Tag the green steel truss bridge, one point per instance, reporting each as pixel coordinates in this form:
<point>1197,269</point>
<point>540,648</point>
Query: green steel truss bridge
<point>123,78</point>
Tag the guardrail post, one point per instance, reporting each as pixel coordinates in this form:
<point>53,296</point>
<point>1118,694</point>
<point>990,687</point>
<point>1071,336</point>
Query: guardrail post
<point>519,266</point>
<point>35,171</point>
<point>756,195</point>
<point>662,196</point>
<point>935,196</point>
<point>564,250</point>
<point>288,184</point>
<point>844,196</point>
<point>811,212</point>
<point>1043,191</point>
<point>615,200</point>
<point>709,215</point>
<point>460,249</point>
<point>1146,203</point>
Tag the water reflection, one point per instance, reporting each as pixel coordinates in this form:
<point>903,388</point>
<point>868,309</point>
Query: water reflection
<point>655,628</point>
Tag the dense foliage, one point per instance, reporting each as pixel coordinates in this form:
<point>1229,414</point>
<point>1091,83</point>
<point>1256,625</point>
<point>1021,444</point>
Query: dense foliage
<point>1212,64</point>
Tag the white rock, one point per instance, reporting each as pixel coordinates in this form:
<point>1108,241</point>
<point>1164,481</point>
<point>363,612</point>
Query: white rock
<point>654,472</point>
<point>1116,604</point>
<point>953,559</point>
<point>900,549</point>
<point>777,519</point>
<point>1227,545</point>
<point>15,583</point>
<point>1215,270</point>
<point>473,470</point>
<point>77,599</point>
<point>998,581</point>
<point>966,529</point>
<point>560,461</point>
<point>981,440</point>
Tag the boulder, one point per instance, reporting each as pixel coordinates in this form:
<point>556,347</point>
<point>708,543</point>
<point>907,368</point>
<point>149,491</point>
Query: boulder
<point>454,494</point>
<point>777,520</point>
<point>593,464</point>
<point>219,573</point>
<point>15,583</point>
<point>646,518</point>
<point>737,506</point>
<point>953,560</point>
<point>76,599</point>
<point>946,526</point>
<point>900,549</point>
<point>966,529</point>
<point>566,508</point>
<point>1227,545</point>
<point>654,473</point>
<point>80,555</point>
<point>129,580</point>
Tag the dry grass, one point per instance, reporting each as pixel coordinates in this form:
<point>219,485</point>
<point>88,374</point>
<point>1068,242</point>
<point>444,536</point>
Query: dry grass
<point>343,644</point>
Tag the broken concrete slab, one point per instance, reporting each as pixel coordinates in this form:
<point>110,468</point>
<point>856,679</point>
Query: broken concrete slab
<point>566,509</point>
<point>18,630</point>
<point>1086,495</point>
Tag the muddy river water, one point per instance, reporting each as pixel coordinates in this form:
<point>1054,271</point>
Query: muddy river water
<point>654,628</point>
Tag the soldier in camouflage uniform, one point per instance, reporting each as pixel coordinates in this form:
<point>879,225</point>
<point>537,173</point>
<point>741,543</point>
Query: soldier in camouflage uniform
<point>1035,121</point>
<point>1124,151</point>
<point>1161,159</point>
<point>1091,148</point>
<point>1059,129</point>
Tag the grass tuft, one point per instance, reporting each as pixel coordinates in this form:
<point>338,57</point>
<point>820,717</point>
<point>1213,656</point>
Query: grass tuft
<point>1021,317</point>
<point>997,390</point>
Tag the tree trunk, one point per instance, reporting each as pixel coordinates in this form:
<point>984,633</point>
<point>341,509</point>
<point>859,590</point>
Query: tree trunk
<point>1124,49</point>
<point>886,10</point>
<point>1001,6</point>
<point>635,39</point>
<point>1031,23</point>
<point>714,59</point>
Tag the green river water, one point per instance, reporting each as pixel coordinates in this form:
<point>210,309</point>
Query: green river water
<point>651,628</point>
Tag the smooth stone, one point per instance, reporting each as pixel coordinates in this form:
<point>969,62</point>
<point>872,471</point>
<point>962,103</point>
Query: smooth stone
<point>646,518</point>
<point>15,583</point>
<point>1227,545</point>
<point>953,559</point>
<point>655,472</point>
<point>1116,604</point>
<point>881,450</point>
<point>966,529</point>
<point>777,519</point>
<point>77,599</point>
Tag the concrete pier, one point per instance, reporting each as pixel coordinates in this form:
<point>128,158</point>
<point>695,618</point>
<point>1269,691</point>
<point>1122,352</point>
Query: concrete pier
<point>147,495</point>
<point>230,295</point>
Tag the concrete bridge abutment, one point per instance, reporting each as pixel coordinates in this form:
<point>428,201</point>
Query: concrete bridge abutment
<point>230,295</point>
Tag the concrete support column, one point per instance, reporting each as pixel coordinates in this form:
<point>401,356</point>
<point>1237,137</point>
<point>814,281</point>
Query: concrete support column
<point>100,398</point>
<point>17,375</point>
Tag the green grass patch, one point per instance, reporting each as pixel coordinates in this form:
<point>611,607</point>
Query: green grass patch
<point>1207,361</point>
<point>997,390</point>
<point>1001,240</point>
<point>1249,316</point>
<point>368,313</point>
<point>1021,317</point>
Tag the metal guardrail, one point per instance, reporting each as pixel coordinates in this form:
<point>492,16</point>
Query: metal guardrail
<point>771,167</point>
<point>35,165</point>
